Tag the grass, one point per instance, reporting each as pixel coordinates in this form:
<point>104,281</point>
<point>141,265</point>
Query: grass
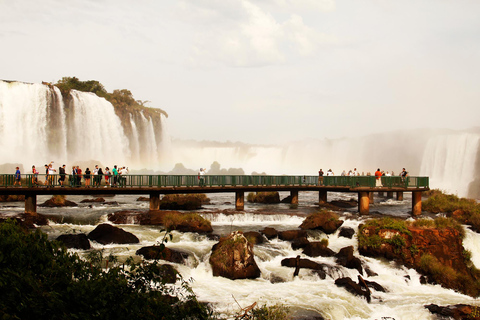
<point>439,223</point>
<point>468,209</point>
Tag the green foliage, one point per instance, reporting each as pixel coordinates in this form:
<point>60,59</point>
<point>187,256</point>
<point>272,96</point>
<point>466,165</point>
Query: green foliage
<point>42,279</point>
<point>388,223</point>
<point>73,83</point>
<point>440,223</point>
<point>275,312</point>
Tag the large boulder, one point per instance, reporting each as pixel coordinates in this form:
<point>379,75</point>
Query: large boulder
<point>353,287</point>
<point>75,241</point>
<point>291,235</point>
<point>318,248</point>
<point>325,221</point>
<point>458,311</point>
<point>58,201</point>
<point>232,257</point>
<point>163,253</point>
<point>269,232</point>
<point>106,233</point>
<point>346,258</point>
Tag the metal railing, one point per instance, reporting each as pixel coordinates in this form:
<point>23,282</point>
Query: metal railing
<point>131,180</point>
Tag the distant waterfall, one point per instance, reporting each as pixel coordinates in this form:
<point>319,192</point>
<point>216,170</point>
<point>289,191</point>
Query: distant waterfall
<point>38,125</point>
<point>449,160</point>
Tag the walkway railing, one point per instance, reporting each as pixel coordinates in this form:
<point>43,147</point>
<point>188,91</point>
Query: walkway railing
<point>30,180</point>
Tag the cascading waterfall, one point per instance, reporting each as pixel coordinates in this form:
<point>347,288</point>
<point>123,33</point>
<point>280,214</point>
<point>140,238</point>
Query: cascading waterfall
<point>38,125</point>
<point>97,132</point>
<point>32,123</point>
<point>449,161</point>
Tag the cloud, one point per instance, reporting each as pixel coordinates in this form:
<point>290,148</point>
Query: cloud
<point>244,34</point>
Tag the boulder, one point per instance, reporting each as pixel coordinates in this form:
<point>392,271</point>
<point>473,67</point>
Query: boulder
<point>346,232</point>
<point>270,233</point>
<point>254,237</point>
<point>346,258</point>
<point>458,311</point>
<point>75,241</point>
<point>232,257</point>
<point>106,233</point>
<point>291,235</point>
<point>318,248</point>
<point>54,203</point>
<point>299,243</point>
<point>325,221</point>
<point>353,287</point>
<point>163,253</point>
<point>92,200</point>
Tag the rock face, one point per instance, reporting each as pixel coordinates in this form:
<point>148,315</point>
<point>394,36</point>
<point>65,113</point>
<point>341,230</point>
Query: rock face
<point>233,258</point>
<point>75,241</point>
<point>326,221</point>
<point>163,253</point>
<point>436,253</point>
<point>346,258</point>
<point>458,311</point>
<point>106,233</point>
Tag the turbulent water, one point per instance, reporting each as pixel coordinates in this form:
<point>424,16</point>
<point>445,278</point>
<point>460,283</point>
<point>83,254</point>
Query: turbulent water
<point>305,295</point>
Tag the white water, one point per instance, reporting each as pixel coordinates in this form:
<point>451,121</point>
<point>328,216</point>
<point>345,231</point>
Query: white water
<point>306,294</point>
<point>449,161</point>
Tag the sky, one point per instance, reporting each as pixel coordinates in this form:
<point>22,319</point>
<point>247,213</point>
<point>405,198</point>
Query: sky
<point>265,71</point>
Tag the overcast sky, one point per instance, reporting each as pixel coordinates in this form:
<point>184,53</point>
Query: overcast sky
<point>263,71</point>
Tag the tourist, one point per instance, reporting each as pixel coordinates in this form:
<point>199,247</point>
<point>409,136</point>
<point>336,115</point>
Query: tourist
<point>378,175</point>
<point>201,177</point>
<point>403,174</point>
<point>115,176</point>
<point>355,172</point>
<point>73,178</point>
<point>46,174</point>
<point>320,177</point>
<point>51,173</point>
<point>79,176</point>
<point>107,176</point>
<point>35,176</point>
<point>18,177</point>
<point>343,174</point>
<point>100,175</point>
<point>95,176</point>
<point>122,176</point>
<point>330,173</point>
<point>61,171</point>
<point>87,177</point>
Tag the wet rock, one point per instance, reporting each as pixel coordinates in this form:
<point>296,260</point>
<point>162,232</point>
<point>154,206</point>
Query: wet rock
<point>254,237</point>
<point>269,233</point>
<point>92,200</point>
<point>318,249</point>
<point>353,287</point>
<point>299,243</point>
<point>346,258</point>
<point>346,232</point>
<point>458,311</point>
<point>12,198</point>
<point>290,235</point>
<point>325,221</point>
<point>55,202</point>
<point>143,199</point>
<point>106,233</point>
<point>232,257</point>
<point>163,253</point>
<point>75,241</point>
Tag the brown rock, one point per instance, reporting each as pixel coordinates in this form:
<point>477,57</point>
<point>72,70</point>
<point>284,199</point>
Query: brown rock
<point>270,233</point>
<point>106,233</point>
<point>318,248</point>
<point>233,258</point>
<point>290,235</point>
<point>163,253</point>
<point>254,237</point>
<point>326,221</point>
<point>75,241</point>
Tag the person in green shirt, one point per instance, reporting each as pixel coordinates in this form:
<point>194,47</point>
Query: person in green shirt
<point>115,175</point>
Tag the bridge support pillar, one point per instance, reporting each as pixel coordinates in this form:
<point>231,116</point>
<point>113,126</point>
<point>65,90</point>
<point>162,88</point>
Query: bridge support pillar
<point>364,202</point>
<point>371,197</point>
<point>416,203</point>
<point>389,194</point>
<point>322,196</point>
<point>239,201</point>
<point>154,201</point>
<point>31,203</point>
<point>400,196</point>
<point>294,197</point>
<point>381,194</point>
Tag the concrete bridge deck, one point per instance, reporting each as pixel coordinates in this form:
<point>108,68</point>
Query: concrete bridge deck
<point>155,185</point>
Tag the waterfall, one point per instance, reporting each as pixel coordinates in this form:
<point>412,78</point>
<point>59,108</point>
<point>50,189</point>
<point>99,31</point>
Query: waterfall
<point>449,161</point>
<point>32,123</point>
<point>38,125</point>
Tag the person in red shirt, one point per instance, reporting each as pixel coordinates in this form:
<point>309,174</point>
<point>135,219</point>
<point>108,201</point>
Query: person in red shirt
<point>378,175</point>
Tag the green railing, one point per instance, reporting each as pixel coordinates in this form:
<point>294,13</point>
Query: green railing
<point>30,180</point>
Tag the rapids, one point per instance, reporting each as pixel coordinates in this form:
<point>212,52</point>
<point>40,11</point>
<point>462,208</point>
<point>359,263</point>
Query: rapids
<point>305,295</point>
